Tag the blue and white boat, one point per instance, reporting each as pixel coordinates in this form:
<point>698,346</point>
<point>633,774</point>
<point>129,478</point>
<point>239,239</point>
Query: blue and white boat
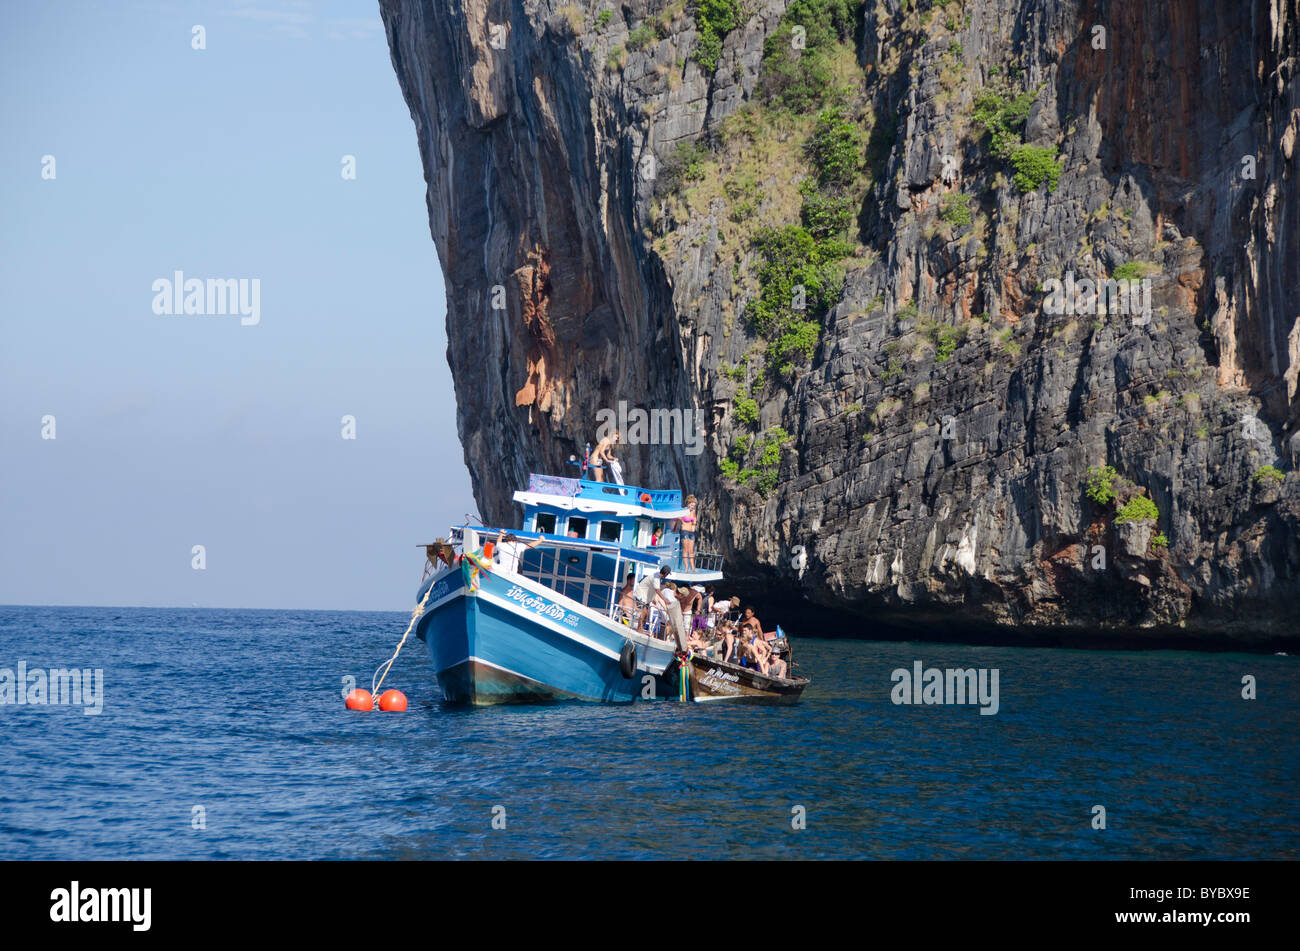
<point>552,629</point>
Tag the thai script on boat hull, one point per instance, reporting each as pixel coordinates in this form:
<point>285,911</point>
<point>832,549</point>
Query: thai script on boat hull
<point>535,604</point>
<point>948,686</point>
<point>716,678</point>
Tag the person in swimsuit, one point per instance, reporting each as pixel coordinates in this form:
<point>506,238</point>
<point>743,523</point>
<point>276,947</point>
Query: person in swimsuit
<point>602,455</point>
<point>627,599</point>
<point>757,652</point>
<point>688,535</point>
<point>728,642</point>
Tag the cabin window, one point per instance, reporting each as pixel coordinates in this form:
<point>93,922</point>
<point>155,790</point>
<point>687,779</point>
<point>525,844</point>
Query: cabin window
<point>544,522</point>
<point>611,531</point>
<point>577,527</point>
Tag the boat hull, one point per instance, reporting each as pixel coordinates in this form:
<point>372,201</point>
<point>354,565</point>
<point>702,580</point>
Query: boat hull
<point>495,639</point>
<point>714,680</point>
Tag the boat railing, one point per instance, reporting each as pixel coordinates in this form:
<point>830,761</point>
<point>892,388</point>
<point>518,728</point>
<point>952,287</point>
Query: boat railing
<point>664,499</point>
<point>671,555</point>
<point>707,561</point>
<point>565,565</point>
<point>654,620</point>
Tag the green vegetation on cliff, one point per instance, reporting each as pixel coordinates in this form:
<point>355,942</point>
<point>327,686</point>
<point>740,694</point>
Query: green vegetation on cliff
<point>1101,484</point>
<point>801,80</point>
<point>714,19</point>
<point>797,280</point>
<point>1002,113</point>
<point>1035,165</point>
<point>1268,474</point>
<point>1137,508</point>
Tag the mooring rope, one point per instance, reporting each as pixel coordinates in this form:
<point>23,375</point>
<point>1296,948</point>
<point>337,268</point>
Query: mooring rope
<point>415,616</point>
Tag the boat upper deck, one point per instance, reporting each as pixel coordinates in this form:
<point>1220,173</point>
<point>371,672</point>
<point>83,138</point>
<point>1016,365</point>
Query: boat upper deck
<point>591,496</point>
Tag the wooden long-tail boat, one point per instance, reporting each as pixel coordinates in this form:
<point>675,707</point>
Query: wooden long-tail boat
<point>713,679</point>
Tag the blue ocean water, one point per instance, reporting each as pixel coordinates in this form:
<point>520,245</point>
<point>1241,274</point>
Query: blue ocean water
<point>240,713</point>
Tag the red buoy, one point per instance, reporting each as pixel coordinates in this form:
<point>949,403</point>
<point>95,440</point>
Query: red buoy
<point>393,700</point>
<point>360,700</point>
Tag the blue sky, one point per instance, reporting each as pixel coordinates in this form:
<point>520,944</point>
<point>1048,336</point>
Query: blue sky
<point>176,431</point>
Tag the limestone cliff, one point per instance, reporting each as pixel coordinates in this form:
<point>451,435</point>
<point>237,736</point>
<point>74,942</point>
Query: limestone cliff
<point>841,230</point>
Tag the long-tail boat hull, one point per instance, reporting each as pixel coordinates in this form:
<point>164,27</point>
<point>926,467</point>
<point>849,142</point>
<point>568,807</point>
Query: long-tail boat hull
<point>713,680</point>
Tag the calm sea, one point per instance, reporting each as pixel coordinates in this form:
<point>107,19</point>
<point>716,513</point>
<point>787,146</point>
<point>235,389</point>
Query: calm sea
<point>223,735</point>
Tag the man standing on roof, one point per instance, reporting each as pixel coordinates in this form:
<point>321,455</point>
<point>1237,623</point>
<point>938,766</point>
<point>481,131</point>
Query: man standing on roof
<point>602,456</point>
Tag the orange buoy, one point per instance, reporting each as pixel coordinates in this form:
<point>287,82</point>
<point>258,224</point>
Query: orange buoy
<point>393,700</point>
<point>360,700</point>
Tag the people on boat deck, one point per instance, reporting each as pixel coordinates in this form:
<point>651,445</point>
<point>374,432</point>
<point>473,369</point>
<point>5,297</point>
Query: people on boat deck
<point>627,597</point>
<point>510,551</point>
<point>602,456</point>
<point>688,534</point>
<point>700,617</point>
<point>706,604</point>
<point>645,592</point>
<point>666,601</point>
<point>724,607</point>
<point>690,601</point>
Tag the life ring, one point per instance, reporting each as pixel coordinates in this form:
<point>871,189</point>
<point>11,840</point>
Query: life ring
<point>627,660</point>
<point>645,498</point>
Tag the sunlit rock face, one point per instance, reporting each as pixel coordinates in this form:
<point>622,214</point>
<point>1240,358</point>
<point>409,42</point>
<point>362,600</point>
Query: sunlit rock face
<point>597,192</point>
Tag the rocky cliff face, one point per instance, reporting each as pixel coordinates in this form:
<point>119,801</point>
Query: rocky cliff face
<point>852,234</point>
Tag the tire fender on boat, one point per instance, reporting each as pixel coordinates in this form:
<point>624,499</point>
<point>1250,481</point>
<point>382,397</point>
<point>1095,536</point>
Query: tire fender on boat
<point>627,660</point>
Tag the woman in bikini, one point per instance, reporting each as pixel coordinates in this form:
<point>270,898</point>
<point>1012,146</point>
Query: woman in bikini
<point>688,535</point>
<point>730,645</point>
<point>602,456</point>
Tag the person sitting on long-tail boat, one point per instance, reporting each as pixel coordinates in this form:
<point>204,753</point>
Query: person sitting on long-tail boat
<point>700,640</point>
<point>755,652</point>
<point>777,667</point>
<point>730,642</point>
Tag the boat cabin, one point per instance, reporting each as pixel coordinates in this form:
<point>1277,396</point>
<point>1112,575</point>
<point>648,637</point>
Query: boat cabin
<point>625,516</point>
